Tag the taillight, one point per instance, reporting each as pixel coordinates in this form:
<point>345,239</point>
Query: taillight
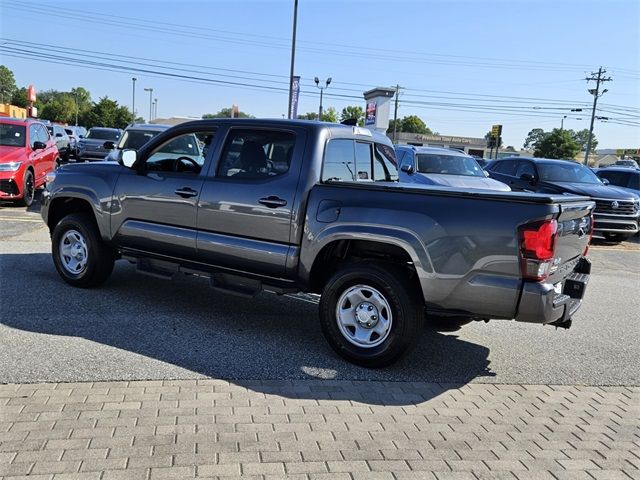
<point>537,248</point>
<point>586,249</point>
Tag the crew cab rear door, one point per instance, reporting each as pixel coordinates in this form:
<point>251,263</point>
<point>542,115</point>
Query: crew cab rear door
<point>248,199</point>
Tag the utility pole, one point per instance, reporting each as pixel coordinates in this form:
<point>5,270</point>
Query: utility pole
<point>293,55</point>
<point>395,114</point>
<point>598,77</point>
<point>155,108</point>
<point>133,100</point>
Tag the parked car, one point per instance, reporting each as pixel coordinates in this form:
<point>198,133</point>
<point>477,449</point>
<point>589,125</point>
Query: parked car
<point>75,133</point>
<point>443,167</point>
<point>27,155</point>
<point>91,147</point>
<point>617,210</point>
<point>626,163</point>
<point>297,206</point>
<point>623,177</point>
<point>62,141</point>
<point>134,137</point>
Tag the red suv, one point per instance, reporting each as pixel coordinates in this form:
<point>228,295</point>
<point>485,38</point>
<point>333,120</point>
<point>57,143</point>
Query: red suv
<point>27,154</point>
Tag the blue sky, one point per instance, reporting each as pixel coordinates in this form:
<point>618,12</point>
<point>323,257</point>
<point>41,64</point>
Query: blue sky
<point>465,65</point>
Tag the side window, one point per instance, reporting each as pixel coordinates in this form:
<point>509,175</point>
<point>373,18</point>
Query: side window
<point>400,157</point>
<point>506,167</point>
<point>339,161</point>
<point>255,153</point>
<point>33,134</point>
<point>183,153</point>
<point>43,134</point>
<point>385,165</point>
<point>525,167</point>
<point>364,161</point>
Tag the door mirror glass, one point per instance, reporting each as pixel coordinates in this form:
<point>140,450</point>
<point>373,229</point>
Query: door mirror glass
<point>527,177</point>
<point>605,181</point>
<point>486,174</point>
<point>37,145</point>
<point>407,168</point>
<point>128,158</point>
<point>108,145</point>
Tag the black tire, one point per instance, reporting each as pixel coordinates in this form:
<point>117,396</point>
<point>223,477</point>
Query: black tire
<point>403,297</point>
<point>56,164</point>
<point>619,237</point>
<point>100,258</point>
<point>28,189</point>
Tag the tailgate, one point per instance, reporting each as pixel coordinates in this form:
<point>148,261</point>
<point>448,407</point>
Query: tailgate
<point>575,225</point>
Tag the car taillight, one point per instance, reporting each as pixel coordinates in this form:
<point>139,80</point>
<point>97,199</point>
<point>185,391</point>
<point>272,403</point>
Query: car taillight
<point>586,249</point>
<point>537,248</point>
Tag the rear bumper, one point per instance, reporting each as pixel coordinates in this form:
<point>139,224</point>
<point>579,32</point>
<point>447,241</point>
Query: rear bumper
<point>540,303</point>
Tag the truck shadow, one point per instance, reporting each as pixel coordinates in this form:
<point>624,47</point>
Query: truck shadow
<point>146,328</point>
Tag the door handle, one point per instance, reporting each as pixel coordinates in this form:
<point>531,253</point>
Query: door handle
<point>186,192</point>
<point>272,201</point>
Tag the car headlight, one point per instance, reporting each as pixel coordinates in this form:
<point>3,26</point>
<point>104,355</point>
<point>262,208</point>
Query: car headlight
<point>49,177</point>
<point>10,166</point>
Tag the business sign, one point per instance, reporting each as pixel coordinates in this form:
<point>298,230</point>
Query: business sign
<point>31,93</point>
<point>370,114</point>
<point>496,131</point>
<point>295,94</point>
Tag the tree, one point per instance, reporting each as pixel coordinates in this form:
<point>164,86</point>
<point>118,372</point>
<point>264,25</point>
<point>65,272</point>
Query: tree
<point>557,144</point>
<point>19,98</point>
<point>582,138</point>
<point>353,111</point>
<point>107,113</point>
<point>60,109</point>
<point>7,84</point>
<point>534,137</point>
<point>226,113</point>
<point>487,137</point>
<point>328,115</point>
<point>414,124</point>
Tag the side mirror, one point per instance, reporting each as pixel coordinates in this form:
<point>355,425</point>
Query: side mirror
<point>605,181</point>
<point>37,145</point>
<point>486,174</point>
<point>129,157</point>
<point>108,145</point>
<point>407,168</point>
<point>80,136</point>
<point>527,177</point>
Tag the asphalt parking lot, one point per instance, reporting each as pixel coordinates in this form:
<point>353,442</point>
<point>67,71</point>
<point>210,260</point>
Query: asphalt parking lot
<point>139,328</point>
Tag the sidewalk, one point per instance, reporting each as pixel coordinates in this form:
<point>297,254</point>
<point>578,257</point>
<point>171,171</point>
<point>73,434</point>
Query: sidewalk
<point>317,430</point>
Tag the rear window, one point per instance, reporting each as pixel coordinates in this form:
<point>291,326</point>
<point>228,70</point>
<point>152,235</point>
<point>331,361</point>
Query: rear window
<point>347,160</point>
<point>13,135</point>
<point>134,139</point>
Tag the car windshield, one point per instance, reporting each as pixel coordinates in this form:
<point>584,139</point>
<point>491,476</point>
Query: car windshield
<point>448,165</point>
<point>103,134</point>
<point>12,135</point>
<point>134,139</point>
<point>568,172</point>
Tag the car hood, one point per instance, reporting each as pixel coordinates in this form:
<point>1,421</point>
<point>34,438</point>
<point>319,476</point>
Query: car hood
<point>457,181</point>
<point>594,190</point>
<point>11,154</point>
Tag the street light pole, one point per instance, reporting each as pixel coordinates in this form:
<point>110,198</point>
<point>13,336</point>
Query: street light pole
<point>150,90</point>
<point>76,94</point>
<point>596,93</point>
<point>562,122</point>
<point>317,80</point>
<point>293,55</point>
<point>133,100</point>
<point>155,108</point>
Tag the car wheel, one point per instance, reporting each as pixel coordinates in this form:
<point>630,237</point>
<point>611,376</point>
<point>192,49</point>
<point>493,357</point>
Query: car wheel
<point>370,313</point>
<point>56,164</point>
<point>28,189</point>
<point>80,256</point>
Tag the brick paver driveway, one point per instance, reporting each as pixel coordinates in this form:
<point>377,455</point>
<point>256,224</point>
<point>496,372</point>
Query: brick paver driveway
<point>317,429</point>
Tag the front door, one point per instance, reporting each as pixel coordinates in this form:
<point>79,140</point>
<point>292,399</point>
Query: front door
<point>155,206</point>
<point>248,200</point>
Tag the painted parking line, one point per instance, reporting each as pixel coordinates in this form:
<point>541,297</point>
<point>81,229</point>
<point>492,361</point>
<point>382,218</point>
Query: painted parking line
<point>28,220</point>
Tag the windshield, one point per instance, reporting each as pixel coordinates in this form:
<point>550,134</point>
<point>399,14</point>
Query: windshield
<point>448,165</point>
<point>134,139</point>
<point>103,134</point>
<point>568,172</point>
<point>12,135</point>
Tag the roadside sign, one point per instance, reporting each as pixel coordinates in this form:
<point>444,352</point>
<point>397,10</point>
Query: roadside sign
<point>496,131</point>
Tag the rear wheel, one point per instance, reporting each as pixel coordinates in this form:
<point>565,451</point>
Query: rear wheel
<point>370,313</point>
<point>81,258</point>
<point>28,189</point>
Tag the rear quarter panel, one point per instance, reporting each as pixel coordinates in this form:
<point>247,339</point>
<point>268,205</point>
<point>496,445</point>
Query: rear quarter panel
<point>464,246</point>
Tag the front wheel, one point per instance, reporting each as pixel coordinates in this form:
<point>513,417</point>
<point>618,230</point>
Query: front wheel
<point>371,314</point>
<point>28,189</point>
<point>81,258</point>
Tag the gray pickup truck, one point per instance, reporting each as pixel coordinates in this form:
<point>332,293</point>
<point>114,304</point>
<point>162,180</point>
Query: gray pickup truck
<point>297,206</point>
